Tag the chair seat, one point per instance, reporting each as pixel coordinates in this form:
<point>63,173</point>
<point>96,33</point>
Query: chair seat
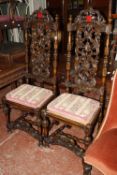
<point>18,18</point>
<point>102,154</point>
<point>30,96</point>
<point>74,108</point>
<point>4,18</point>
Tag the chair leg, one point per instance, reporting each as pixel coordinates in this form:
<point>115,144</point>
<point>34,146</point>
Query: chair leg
<point>88,135</point>
<point>45,127</point>
<point>87,169</point>
<point>7,111</point>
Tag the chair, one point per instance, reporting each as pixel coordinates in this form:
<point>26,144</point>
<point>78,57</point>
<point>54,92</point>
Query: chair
<point>82,103</point>
<point>11,51</point>
<point>102,153</point>
<point>42,42</point>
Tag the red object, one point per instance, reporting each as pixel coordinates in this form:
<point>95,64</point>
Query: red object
<point>88,19</point>
<point>39,15</point>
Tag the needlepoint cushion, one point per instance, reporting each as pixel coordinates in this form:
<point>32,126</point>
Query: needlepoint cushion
<point>29,95</point>
<point>75,108</point>
<point>102,154</point>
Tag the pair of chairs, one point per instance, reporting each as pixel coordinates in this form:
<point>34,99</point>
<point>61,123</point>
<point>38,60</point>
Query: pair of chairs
<point>82,104</point>
<point>41,50</point>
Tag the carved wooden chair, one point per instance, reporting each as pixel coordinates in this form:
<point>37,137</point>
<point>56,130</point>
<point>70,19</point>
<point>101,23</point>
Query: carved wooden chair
<point>11,51</point>
<point>42,45</point>
<point>102,153</point>
<point>82,102</point>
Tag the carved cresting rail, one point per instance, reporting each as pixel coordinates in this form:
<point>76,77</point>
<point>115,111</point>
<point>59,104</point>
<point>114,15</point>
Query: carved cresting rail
<point>81,77</point>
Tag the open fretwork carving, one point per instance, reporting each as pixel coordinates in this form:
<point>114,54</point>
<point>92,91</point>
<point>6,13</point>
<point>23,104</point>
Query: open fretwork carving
<point>89,25</point>
<point>43,29</point>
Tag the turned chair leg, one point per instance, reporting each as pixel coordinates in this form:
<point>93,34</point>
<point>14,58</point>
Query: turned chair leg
<point>7,112</point>
<point>45,127</point>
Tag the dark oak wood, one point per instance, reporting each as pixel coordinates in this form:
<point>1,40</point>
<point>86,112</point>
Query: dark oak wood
<point>11,50</point>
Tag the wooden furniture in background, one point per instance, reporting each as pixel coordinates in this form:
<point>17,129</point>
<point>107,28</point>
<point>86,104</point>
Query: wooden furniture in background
<point>66,7</point>
<point>13,62</point>
<point>42,50</point>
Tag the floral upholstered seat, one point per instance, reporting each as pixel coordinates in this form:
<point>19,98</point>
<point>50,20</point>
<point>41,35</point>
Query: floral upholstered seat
<point>75,108</point>
<point>29,95</point>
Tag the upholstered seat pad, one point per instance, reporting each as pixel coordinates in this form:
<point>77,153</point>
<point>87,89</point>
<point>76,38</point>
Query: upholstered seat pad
<point>29,95</point>
<point>4,18</point>
<point>75,108</point>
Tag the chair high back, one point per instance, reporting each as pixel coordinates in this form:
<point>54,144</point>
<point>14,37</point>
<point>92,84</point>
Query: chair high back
<point>43,45</point>
<point>87,55</point>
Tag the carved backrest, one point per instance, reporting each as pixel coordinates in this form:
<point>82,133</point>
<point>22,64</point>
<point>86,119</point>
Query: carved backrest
<point>88,27</point>
<point>43,46</point>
